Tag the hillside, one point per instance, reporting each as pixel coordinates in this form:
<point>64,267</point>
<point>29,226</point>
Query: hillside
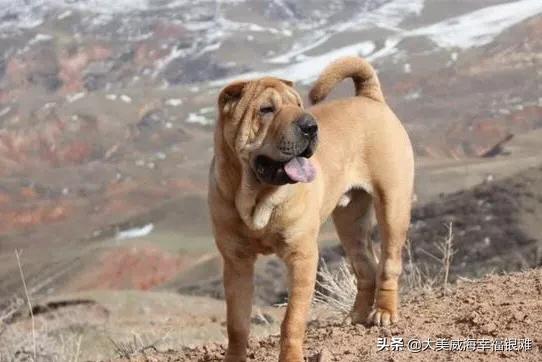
<point>494,307</point>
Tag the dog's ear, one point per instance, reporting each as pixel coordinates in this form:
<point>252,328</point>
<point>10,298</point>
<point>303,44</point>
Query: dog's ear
<point>232,92</point>
<point>289,83</point>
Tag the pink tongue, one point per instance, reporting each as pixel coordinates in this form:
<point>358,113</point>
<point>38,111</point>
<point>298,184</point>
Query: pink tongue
<point>300,169</point>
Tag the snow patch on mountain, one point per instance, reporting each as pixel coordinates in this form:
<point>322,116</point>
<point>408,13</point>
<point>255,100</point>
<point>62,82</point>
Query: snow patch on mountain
<point>469,30</point>
<point>386,16</point>
<point>479,27</point>
<point>309,68</point>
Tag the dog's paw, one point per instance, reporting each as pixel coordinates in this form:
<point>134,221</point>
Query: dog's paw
<point>382,317</point>
<point>385,311</point>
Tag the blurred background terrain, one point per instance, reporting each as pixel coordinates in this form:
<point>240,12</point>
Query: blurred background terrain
<point>106,117</point>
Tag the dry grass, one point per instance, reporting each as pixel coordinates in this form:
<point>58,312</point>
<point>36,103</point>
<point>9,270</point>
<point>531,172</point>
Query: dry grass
<point>10,308</point>
<point>443,259</point>
<point>17,344</point>
<point>447,252</point>
<point>336,289</point>
<point>137,346</point>
<point>28,303</point>
<point>416,276</point>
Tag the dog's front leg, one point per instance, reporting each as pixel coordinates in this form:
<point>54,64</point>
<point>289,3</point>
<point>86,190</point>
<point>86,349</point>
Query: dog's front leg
<point>238,286</point>
<point>301,260</point>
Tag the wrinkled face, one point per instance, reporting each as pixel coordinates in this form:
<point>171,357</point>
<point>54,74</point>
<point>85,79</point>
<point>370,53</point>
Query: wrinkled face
<point>265,124</point>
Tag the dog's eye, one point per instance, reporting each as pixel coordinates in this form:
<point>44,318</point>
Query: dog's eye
<point>267,109</point>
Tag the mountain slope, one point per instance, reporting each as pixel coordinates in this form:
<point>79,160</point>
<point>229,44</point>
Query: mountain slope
<point>493,308</point>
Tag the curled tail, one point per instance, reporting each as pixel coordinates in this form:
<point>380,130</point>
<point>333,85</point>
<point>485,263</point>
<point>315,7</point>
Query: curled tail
<point>361,72</point>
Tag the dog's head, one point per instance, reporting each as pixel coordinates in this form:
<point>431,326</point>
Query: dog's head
<point>263,121</point>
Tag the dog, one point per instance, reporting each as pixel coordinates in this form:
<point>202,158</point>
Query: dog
<point>280,170</point>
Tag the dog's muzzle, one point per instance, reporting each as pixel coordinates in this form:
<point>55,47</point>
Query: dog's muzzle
<point>296,148</point>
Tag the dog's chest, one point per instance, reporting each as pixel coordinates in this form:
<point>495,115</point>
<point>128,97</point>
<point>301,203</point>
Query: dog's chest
<point>262,242</point>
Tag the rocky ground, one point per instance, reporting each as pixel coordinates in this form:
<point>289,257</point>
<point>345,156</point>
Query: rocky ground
<point>492,308</point>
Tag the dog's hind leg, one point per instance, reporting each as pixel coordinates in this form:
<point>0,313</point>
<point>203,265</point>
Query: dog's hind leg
<point>392,206</point>
<point>353,222</point>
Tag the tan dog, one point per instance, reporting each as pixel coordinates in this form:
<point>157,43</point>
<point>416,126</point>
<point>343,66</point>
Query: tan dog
<point>279,171</point>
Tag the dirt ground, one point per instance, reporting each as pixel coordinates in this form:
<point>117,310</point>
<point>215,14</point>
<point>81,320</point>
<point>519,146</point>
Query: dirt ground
<point>506,307</point>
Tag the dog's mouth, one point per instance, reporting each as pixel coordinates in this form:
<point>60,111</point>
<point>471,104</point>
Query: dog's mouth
<point>289,171</point>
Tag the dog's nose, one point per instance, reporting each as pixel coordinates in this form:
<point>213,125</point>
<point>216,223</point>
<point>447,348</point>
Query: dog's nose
<point>307,125</point>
